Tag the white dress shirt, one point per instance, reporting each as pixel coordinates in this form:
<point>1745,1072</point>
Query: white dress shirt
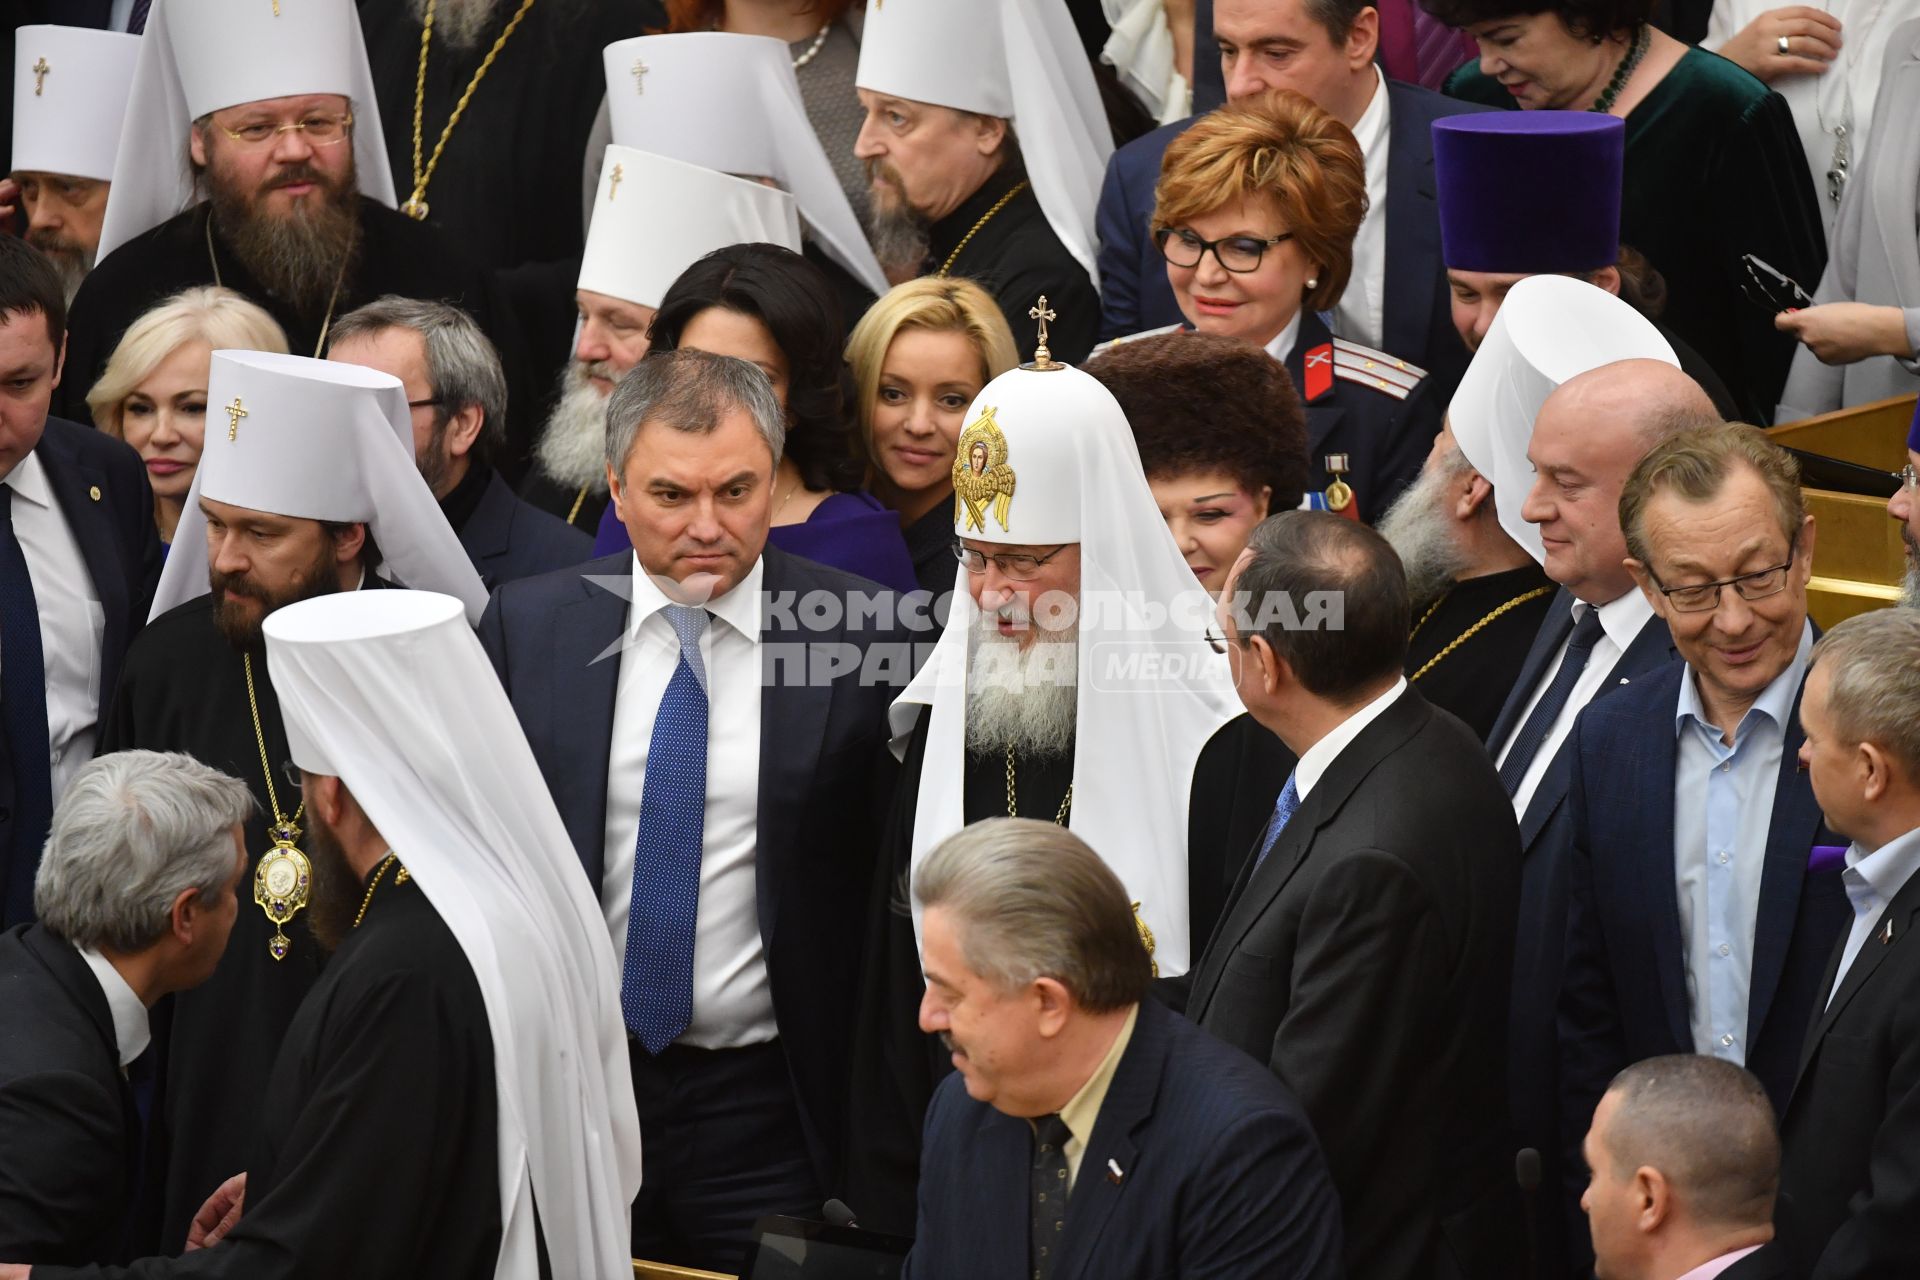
<point>1871,881</point>
<point>130,1029</point>
<point>1620,623</point>
<point>732,1001</point>
<point>72,621</point>
<point>1318,758</point>
<point>1282,344</point>
<point>1722,812</point>
<point>1360,315</point>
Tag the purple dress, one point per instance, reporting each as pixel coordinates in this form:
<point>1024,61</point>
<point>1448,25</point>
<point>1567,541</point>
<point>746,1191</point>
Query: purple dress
<point>849,531</point>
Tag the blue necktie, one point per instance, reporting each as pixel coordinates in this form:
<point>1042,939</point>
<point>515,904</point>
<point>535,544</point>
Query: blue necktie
<point>23,717</point>
<point>1532,734</point>
<point>656,983</point>
<point>1283,811</point>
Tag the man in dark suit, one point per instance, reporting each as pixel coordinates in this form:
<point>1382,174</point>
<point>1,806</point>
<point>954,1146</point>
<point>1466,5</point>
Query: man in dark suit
<point>136,898</point>
<point>1087,1131</point>
<point>1366,949</point>
<point>1849,1194</point>
<point>1686,1165</point>
<point>79,558</point>
<point>739,742</point>
<point>1696,924</point>
<point>1397,300</point>
<point>458,394</point>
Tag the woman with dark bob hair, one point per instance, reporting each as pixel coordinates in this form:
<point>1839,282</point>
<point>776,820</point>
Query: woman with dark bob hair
<point>1714,166</point>
<point>1222,438</point>
<point>771,307</point>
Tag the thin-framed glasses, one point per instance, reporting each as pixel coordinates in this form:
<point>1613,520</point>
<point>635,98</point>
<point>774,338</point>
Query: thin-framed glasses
<point>319,131</point>
<point>1018,567</point>
<point>1238,254</point>
<point>1218,642</point>
<point>1704,596</point>
<point>294,774</point>
<point>1909,478</point>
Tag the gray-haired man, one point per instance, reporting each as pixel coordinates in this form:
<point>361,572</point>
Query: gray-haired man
<point>135,896</point>
<point>458,395</point>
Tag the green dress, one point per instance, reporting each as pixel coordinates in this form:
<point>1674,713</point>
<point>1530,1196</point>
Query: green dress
<point>1714,170</point>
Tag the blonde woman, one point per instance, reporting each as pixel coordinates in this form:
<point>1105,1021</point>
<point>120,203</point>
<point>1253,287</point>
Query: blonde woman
<point>919,357</point>
<point>153,393</point>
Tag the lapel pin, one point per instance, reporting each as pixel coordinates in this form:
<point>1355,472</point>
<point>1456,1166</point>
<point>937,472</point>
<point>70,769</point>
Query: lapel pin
<point>1114,1172</point>
<point>94,492</point>
<point>1886,934</point>
<point>1625,680</point>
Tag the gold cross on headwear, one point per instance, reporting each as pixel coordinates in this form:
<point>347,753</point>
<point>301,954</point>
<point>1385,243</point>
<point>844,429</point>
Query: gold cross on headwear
<point>1042,358</point>
<point>639,72</point>
<point>613,182</point>
<point>40,70</point>
<point>276,8</point>
<point>234,413</point>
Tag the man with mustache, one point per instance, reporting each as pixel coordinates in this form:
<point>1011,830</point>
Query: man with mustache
<point>69,101</point>
<point>278,163</point>
<point>950,91</point>
<point>307,487</point>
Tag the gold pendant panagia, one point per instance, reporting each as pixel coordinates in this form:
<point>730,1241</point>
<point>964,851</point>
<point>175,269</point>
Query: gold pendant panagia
<point>416,209</point>
<point>280,887</point>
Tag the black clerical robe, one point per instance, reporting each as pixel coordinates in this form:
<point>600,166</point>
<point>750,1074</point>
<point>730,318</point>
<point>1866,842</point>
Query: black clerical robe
<point>896,1066</point>
<point>1475,677</point>
<point>1015,256</point>
<point>377,1129</point>
<point>395,255</point>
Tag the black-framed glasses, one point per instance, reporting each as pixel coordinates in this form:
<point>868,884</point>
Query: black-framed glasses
<point>433,403</point>
<point>1018,567</point>
<point>1758,585</point>
<point>1219,642</point>
<point>294,774</point>
<point>1238,254</point>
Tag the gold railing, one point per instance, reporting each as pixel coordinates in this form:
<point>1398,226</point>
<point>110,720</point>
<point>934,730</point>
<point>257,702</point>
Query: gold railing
<point>667,1271</point>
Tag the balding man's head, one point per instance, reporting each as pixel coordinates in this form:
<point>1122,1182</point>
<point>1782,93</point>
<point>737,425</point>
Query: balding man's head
<point>1588,437</point>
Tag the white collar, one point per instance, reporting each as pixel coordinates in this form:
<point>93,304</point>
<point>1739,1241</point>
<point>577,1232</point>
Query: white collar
<point>1282,345</point>
<point>1370,130</point>
<point>1622,617</point>
<point>29,479</point>
<point>739,608</point>
<point>130,1030</point>
<point>1319,757</point>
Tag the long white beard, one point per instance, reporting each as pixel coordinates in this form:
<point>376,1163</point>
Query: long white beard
<point>573,445</point>
<point>1023,698</point>
<point>1910,587</point>
<point>1421,531</point>
<point>461,23</point>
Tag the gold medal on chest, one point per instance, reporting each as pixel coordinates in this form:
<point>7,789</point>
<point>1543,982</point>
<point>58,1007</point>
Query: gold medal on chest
<point>280,886</point>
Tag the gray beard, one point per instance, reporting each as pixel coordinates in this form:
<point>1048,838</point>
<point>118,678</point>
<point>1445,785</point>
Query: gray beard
<point>899,235</point>
<point>1421,531</point>
<point>1910,584</point>
<point>573,445</point>
<point>1026,700</point>
<point>461,23</point>
<point>71,260</point>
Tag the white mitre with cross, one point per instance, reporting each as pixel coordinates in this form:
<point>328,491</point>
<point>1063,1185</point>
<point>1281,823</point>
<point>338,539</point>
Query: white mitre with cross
<point>316,440</point>
<point>70,99</point>
<point>1046,457</point>
<point>653,217</point>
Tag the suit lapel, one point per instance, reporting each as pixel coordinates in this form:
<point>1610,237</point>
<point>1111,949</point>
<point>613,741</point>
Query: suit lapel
<point>793,721</point>
<point>1655,777</point>
<point>1792,828</point>
<point>1323,412</point>
<point>82,493</point>
<point>1006,1158</point>
<point>1413,228</point>
<point>582,629</point>
<point>1873,952</point>
<point>488,533</point>
<point>1129,1102</point>
<point>1546,644</point>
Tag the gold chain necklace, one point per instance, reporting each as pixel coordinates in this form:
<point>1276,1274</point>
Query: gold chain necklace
<point>1469,633</point>
<point>985,218</point>
<point>281,882</point>
<point>374,883</point>
<point>416,205</point>
<point>579,500</point>
<point>326,321</point>
<point>1013,807</point>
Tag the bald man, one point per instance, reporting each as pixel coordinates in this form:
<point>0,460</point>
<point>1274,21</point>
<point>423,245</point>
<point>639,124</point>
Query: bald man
<point>1685,1168</point>
<point>1599,634</point>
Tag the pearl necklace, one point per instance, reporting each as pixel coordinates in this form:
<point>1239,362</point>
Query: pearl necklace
<point>813,49</point>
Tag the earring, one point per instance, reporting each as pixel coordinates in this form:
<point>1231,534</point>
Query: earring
<point>1313,282</point>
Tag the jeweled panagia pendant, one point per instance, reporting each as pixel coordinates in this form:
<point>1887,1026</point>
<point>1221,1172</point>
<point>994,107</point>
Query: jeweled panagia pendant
<point>280,886</point>
<point>415,208</point>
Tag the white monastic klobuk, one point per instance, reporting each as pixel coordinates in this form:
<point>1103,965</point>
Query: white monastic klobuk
<point>1020,60</point>
<point>201,56</point>
<point>1550,329</point>
<point>390,692</point>
<point>730,103</point>
<point>654,217</point>
<point>317,440</point>
<point>69,99</point>
<point>1048,458</point>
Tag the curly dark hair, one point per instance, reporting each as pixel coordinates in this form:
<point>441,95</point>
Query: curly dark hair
<point>796,302</point>
<point>1587,19</point>
<point>1204,402</point>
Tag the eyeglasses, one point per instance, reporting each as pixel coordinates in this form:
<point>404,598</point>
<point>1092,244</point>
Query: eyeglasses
<point>1705,596</point>
<point>1220,643</point>
<point>1239,254</point>
<point>294,774</point>
<point>1020,568</point>
<point>1909,478</point>
<point>425,404</point>
<point>319,131</point>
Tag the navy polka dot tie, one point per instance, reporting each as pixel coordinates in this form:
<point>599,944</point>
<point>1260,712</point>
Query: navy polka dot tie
<point>656,983</point>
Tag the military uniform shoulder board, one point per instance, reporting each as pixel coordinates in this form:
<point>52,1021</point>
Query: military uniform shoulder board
<point>1111,343</point>
<point>1389,375</point>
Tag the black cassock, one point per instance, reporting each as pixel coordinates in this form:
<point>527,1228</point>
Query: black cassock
<point>396,255</point>
<point>1473,681</point>
<point>185,689</point>
<point>896,1065</point>
<point>378,1135</point>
